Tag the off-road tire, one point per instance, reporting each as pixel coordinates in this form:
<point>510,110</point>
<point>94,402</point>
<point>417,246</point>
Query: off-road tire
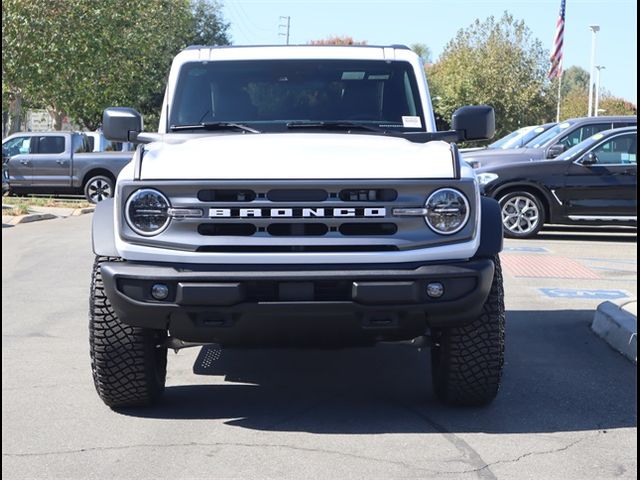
<point>129,368</point>
<point>467,361</point>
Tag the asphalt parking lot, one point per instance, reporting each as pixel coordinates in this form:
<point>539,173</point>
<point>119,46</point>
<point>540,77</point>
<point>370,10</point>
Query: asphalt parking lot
<point>567,409</point>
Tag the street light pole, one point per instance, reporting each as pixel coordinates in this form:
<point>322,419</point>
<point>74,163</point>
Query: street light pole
<point>595,110</point>
<point>594,30</point>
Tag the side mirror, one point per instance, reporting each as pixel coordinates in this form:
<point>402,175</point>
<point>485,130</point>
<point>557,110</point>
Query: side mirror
<point>121,124</point>
<point>476,122</point>
<point>555,150</point>
<point>589,159</point>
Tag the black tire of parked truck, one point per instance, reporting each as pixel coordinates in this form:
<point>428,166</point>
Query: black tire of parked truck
<point>129,368</point>
<point>467,361</point>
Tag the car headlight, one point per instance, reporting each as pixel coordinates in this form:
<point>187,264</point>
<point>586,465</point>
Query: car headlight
<point>147,212</point>
<point>486,178</point>
<point>447,211</point>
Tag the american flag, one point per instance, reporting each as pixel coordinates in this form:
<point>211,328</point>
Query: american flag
<point>556,56</point>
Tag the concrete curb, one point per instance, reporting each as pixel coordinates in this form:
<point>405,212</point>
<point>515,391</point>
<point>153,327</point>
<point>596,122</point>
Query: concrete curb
<point>617,324</point>
<point>82,211</point>
<point>31,217</point>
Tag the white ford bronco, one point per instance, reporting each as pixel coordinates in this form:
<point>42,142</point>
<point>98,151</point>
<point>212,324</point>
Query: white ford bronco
<point>296,196</point>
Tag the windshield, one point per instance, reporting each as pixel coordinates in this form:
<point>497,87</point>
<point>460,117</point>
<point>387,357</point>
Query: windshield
<point>269,94</point>
<point>544,138</point>
<point>577,149</point>
<point>511,139</point>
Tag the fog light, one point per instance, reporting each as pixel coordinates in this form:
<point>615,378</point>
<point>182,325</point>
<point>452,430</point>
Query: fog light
<point>435,289</point>
<point>160,291</point>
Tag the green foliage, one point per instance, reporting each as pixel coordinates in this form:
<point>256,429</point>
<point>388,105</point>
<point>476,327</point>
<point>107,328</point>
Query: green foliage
<point>338,40</point>
<point>498,63</point>
<point>423,51</point>
<point>575,79</point>
<point>77,57</point>
<point>611,105</point>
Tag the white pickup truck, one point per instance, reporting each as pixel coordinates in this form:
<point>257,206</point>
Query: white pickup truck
<point>296,196</point>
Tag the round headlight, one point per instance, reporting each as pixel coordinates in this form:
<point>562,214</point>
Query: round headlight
<point>147,212</point>
<point>447,211</point>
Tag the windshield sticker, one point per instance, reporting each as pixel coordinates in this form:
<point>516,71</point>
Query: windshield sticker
<point>597,136</point>
<point>565,125</point>
<point>411,122</point>
<point>539,130</point>
<point>378,77</point>
<point>353,75</point>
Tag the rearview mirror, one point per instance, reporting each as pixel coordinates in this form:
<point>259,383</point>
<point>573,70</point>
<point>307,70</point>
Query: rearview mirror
<point>477,122</point>
<point>121,124</point>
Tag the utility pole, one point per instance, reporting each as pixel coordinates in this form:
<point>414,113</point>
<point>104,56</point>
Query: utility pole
<point>287,26</point>
<point>594,31</point>
<point>597,103</point>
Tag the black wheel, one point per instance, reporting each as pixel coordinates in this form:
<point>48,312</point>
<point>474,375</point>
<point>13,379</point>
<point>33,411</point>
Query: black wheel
<point>98,188</point>
<point>522,214</point>
<point>129,368</point>
<point>467,361</point>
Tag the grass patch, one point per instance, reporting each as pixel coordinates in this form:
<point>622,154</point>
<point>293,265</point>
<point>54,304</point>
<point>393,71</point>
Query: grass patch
<point>23,203</point>
<point>16,210</point>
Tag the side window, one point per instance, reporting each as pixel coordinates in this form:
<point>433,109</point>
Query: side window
<point>79,144</point>
<point>620,150</point>
<point>50,145</point>
<point>582,133</point>
<point>624,124</point>
<point>16,146</point>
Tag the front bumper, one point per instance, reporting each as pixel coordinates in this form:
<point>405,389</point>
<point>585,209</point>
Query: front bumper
<point>286,306</point>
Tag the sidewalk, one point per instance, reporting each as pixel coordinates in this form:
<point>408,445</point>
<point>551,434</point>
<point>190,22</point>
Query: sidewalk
<point>43,213</point>
<point>617,324</point>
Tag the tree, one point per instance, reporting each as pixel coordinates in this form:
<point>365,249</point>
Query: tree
<point>423,51</point>
<point>576,79</point>
<point>338,40</point>
<point>498,63</point>
<point>611,105</point>
<point>76,57</point>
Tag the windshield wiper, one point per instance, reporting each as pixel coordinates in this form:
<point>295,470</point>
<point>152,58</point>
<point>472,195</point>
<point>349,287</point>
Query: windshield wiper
<point>334,126</point>
<point>214,126</point>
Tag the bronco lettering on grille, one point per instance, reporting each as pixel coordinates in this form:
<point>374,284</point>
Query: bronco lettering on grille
<point>297,212</point>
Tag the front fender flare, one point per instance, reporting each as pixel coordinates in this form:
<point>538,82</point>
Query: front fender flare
<point>491,234</point>
<point>102,230</point>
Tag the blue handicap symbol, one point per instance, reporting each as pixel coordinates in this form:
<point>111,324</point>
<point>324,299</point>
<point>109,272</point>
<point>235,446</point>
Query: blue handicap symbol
<point>585,294</point>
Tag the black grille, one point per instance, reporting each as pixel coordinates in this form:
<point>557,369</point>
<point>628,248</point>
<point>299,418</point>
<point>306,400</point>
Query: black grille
<point>297,229</point>
<point>365,229</point>
<point>226,195</point>
<point>228,229</point>
<point>297,195</point>
<point>368,195</point>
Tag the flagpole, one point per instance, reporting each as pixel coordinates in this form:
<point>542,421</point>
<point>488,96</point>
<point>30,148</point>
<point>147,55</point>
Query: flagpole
<point>559,91</point>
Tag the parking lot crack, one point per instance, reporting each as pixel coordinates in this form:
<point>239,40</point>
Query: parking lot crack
<point>530,454</point>
<point>397,463</point>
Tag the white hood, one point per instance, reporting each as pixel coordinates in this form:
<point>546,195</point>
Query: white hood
<point>295,156</point>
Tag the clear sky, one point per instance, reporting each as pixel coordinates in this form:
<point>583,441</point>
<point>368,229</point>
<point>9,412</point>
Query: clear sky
<point>434,23</point>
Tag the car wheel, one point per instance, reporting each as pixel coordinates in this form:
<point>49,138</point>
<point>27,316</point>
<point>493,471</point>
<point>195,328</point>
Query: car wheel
<point>98,188</point>
<point>129,364</point>
<point>467,361</point>
<point>522,214</point>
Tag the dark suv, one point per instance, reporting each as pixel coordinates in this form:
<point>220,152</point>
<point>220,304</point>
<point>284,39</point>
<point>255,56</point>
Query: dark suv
<point>551,143</point>
<point>593,183</point>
